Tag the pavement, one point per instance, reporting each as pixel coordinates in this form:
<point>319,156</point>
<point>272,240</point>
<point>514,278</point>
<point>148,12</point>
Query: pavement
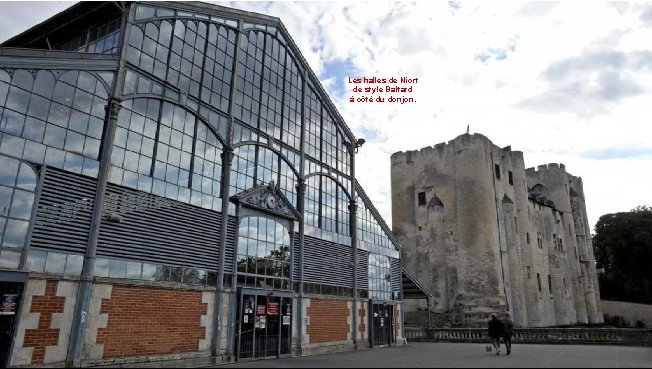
<point>464,355</point>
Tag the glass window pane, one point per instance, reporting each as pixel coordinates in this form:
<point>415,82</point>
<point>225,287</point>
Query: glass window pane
<point>74,142</point>
<point>64,93</point>
<point>8,170</point>
<point>34,129</point>
<point>21,206</point>
<point>101,268</point>
<point>162,273</point>
<point>149,272</point>
<point>54,136</point>
<point>18,100</point>
<point>44,84</point>
<point>9,259</point>
<point>73,163</point>
<point>133,270</point>
<point>38,107</point>
<point>55,263</point>
<point>117,268</point>
<point>12,145</point>
<point>34,152</point>
<point>36,261</point>
<point>74,264</point>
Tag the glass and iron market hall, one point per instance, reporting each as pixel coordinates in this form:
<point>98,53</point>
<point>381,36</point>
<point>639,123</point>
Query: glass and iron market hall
<point>175,182</point>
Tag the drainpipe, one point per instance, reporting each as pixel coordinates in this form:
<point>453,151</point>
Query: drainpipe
<point>301,190</point>
<point>227,163</point>
<point>301,193</point>
<point>82,302</point>
<point>353,213</point>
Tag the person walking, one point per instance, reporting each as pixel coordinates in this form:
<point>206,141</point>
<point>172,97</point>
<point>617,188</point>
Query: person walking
<point>509,331</point>
<point>496,330</point>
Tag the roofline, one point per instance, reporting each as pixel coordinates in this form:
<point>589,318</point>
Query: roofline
<point>369,204</point>
<point>416,282</point>
<point>257,17</point>
<point>72,13</point>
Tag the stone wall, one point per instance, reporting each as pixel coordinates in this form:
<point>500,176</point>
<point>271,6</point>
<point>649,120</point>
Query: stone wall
<point>575,336</point>
<point>46,317</point>
<point>484,235</point>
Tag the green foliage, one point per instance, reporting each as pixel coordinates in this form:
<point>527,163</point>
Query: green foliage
<point>623,248</point>
<point>617,321</point>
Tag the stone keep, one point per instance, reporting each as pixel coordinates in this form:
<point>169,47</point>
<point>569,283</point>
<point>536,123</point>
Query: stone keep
<point>486,235</point>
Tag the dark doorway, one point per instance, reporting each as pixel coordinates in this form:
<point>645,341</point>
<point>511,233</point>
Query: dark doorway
<point>382,324</point>
<point>10,294</point>
<point>265,325</point>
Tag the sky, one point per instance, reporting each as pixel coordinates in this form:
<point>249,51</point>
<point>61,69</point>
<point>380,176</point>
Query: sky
<point>564,82</point>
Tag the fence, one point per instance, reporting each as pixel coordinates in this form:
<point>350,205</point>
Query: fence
<point>578,336</point>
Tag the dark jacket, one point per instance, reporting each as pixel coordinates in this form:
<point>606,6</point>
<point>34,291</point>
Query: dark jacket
<point>496,328</point>
<point>509,327</point>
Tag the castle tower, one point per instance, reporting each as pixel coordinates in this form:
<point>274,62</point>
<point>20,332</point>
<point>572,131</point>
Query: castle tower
<point>485,235</point>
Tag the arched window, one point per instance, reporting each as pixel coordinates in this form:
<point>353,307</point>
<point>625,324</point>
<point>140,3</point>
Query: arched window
<point>263,254</point>
<point>166,150</point>
<point>326,205</point>
<point>56,119</point>
<point>253,164</point>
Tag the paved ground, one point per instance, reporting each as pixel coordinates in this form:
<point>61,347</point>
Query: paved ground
<point>456,355</point>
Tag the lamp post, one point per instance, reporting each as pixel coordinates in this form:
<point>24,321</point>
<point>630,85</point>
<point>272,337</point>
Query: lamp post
<point>353,212</point>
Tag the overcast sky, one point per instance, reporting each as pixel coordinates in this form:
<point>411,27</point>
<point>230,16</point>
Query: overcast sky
<point>567,82</point>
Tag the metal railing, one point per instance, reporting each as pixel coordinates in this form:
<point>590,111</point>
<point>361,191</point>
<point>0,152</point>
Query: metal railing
<point>604,336</point>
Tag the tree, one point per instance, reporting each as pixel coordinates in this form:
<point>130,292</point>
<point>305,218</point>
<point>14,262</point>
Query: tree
<point>623,248</point>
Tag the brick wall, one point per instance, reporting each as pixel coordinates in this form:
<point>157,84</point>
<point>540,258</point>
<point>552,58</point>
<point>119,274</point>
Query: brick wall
<point>44,336</point>
<point>328,321</point>
<point>151,321</point>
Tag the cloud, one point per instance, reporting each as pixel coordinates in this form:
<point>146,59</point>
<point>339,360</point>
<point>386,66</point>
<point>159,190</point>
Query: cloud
<point>15,19</point>
<point>592,83</point>
<point>646,16</point>
<point>537,8</point>
<point>337,73</point>
<point>593,73</point>
<point>497,53</point>
<point>618,153</point>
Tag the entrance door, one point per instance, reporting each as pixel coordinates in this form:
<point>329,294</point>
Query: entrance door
<point>382,324</point>
<point>265,326</point>
<point>10,293</point>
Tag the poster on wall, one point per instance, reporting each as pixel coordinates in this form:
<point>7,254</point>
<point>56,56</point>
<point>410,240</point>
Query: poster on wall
<point>286,320</point>
<point>8,304</point>
<point>261,310</point>
<point>249,306</point>
<point>261,321</point>
<point>272,308</point>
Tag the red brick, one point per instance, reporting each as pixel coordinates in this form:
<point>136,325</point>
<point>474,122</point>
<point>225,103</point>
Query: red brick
<point>44,336</point>
<point>328,321</point>
<point>150,321</point>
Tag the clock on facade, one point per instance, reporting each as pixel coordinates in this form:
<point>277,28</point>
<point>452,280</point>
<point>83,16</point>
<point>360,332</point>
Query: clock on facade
<point>271,201</point>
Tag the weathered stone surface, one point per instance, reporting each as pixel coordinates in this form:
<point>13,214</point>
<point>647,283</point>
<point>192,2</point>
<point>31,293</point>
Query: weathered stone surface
<point>486,235</point>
